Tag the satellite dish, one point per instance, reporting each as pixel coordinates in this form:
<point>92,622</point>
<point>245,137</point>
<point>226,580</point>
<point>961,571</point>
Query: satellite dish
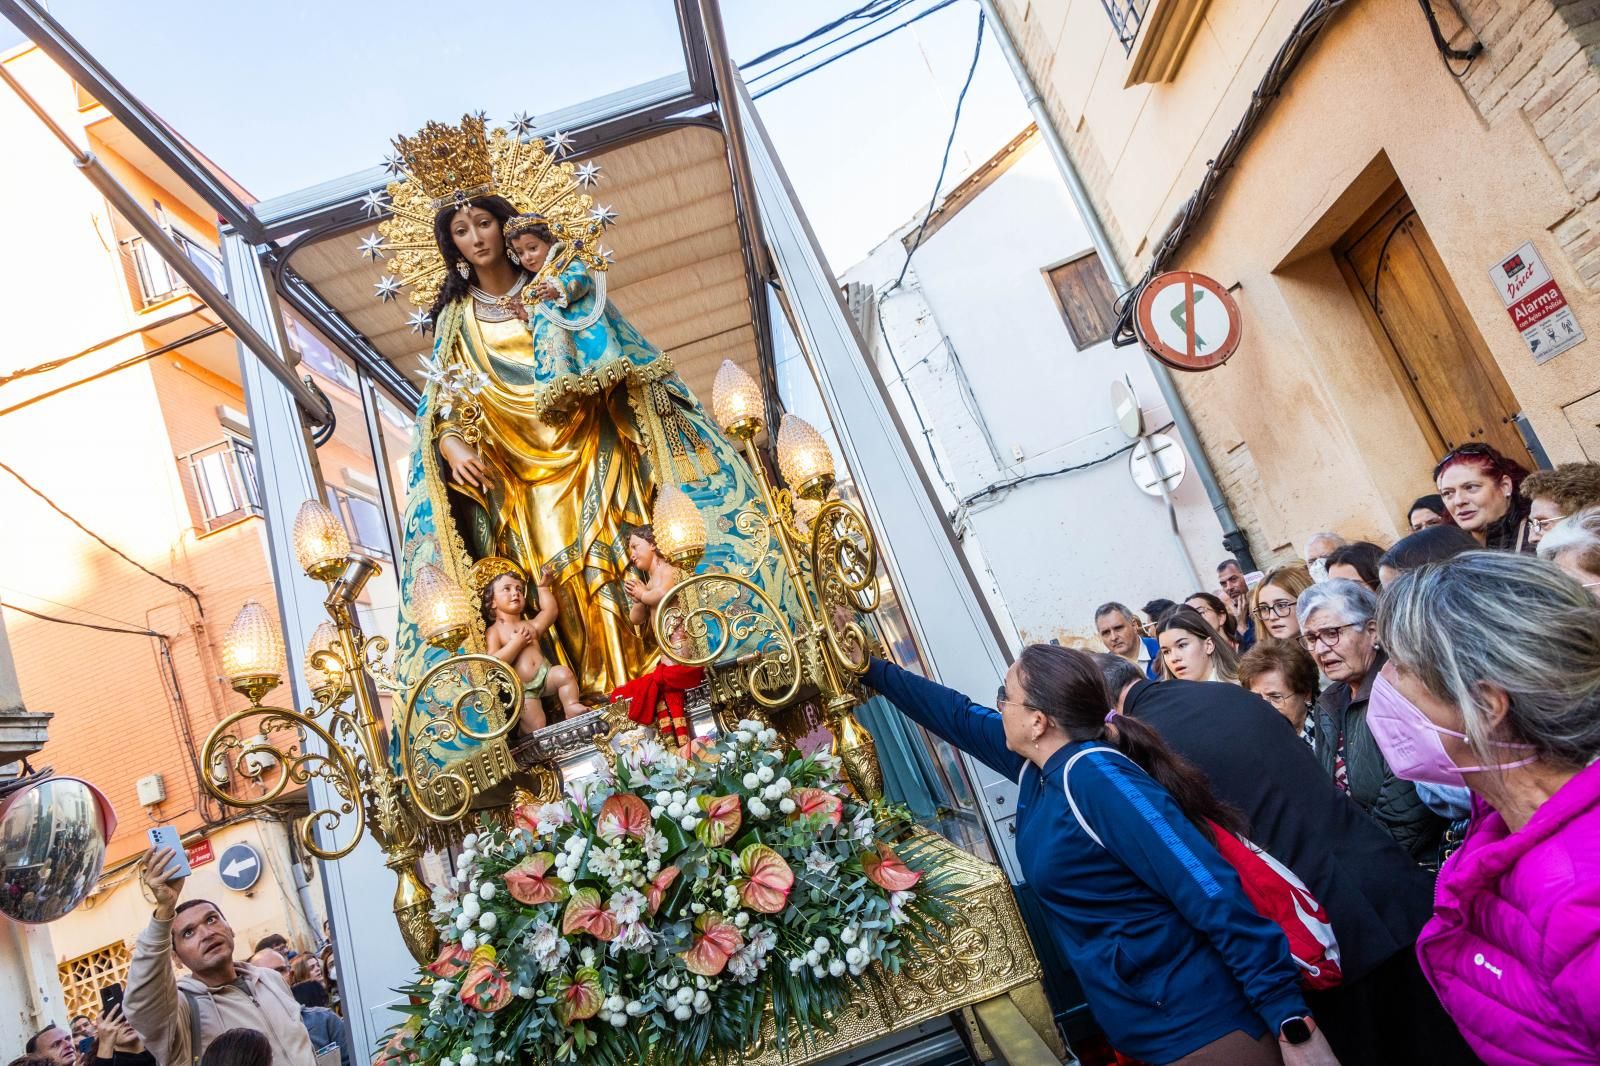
<point>53,836</point>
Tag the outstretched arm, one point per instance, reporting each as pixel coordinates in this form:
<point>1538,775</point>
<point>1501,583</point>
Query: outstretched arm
<point>549,608</point>
<point>975,730</point>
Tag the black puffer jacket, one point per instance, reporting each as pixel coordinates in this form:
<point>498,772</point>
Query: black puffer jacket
<point>1391,801</point>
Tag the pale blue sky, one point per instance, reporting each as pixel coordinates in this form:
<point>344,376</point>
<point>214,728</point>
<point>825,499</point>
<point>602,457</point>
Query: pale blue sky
<point>291,93</point>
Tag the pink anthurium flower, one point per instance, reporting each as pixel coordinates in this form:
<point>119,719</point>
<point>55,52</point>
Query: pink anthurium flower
<point>767,879</point>
<point>809,802</point>
<point>623,814</point>
<point>886,870</point>
<point>586,914</point>
<point>530,883</point>
<point>453,958</point>
<point>722,820</point>
<point>716,940</point>
<point>657,892</point>
<point>580,999</point>
<point>485,987</point>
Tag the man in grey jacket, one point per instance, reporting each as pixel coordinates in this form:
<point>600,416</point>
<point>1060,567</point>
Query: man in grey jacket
<point>180,1016</point>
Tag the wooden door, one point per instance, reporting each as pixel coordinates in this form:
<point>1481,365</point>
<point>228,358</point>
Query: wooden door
<point>1451,380</point>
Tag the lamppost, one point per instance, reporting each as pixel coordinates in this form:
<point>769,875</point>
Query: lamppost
<point>828,556</point>
<point>344,669</point>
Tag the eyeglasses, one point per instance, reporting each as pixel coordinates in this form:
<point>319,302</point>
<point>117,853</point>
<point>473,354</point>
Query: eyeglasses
<point>1278,699</point>
<point>1542,526</point>
<point>1278,609</point>
<point>1312,639</point>
<point>1480,451</point>
<point>1000,702</point>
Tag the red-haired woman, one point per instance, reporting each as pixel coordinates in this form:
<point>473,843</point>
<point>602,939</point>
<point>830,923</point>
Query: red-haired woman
<point>1479,488</point>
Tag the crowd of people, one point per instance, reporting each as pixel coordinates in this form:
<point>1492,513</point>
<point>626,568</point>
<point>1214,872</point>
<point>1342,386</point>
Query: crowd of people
<point>274,1007</point>
<point>1347,810</point>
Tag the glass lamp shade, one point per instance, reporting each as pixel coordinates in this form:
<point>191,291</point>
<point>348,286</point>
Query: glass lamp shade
<point>736,402</point>
<point>324,638</point>
<point>444,611</point>
<point>680,531</point>
<point>804,459</point>
<point>252,652</point>
<point>805,513</point>
<point>320,542</point>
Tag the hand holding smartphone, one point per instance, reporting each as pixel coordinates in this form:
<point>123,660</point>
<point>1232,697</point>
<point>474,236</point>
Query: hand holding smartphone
<point>165,869</point>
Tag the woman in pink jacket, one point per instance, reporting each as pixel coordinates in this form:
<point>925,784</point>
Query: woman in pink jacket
<point>1493,682</point>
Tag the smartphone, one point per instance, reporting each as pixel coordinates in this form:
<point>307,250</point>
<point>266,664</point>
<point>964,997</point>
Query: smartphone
<point>166,836</point>
<point>110,997</point>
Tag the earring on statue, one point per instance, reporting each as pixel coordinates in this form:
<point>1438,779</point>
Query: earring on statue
<point>511,255</point>
<point>464,270</point>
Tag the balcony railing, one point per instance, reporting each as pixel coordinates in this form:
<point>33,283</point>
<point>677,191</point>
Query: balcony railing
<point>154,279</point>
<point>1125,15</point>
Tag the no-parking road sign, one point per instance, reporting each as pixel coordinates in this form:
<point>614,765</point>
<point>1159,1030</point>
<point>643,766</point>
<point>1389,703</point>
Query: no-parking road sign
<point>1188,321</point>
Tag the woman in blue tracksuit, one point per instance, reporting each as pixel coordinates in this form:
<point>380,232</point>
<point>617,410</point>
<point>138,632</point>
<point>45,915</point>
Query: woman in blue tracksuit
<point>1176,964</point>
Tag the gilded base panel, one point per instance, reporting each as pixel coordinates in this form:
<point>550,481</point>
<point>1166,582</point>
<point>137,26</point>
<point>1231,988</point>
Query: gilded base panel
<point>986,954</point>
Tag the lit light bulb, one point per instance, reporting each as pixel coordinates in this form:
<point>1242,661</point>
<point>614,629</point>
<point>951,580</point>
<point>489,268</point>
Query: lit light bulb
<point>252,652</point>
<point>324,638</point>
<point>680,531</point>
<point>444,612</point>
<point>320,542</point>
<point>736,402</point>
<point>804,459</point>
<point>805,513</point>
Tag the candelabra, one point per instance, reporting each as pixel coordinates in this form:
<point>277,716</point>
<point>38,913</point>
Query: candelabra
<point>732,627</point>
<point>254,755</point>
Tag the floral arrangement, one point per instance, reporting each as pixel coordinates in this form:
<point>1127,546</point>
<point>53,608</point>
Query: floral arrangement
<point>654,915</point>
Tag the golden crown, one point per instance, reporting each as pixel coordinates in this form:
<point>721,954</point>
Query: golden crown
<point>451,163</point>
<point>484,572</point>
<point>448,165</point>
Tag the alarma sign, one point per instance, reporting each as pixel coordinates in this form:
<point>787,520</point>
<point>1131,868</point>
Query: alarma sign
<point>1535,303</point>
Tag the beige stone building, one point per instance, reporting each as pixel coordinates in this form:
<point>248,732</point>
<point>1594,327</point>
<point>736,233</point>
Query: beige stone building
<point>1357,226</point>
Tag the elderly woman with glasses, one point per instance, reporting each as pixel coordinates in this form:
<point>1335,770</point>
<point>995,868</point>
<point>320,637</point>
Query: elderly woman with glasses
<point>1275,600</point>
<point>1494,683</point>
<point>1574,545</point>
<point>1338,627</point>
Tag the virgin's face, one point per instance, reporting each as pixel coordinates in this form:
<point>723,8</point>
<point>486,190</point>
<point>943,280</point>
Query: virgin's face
<point>1186,655</point>
<point>1207,612</point>
<point>1473,496</point>
<point>477,236</point>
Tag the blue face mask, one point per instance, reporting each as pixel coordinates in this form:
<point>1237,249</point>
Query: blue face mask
<point>1319,570</point>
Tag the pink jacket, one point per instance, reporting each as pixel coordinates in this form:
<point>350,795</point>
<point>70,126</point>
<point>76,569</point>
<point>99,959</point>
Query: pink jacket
<point>1513,948</point>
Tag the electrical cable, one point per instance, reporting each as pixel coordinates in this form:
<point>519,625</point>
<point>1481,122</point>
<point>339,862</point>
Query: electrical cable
<point>56,364</point>
<point>944,164</point>
<point>180,586</point>
<point>868,9</point>
<point>829,43</point>
<point>1002,486</point>
<point>142,357</point>
<point>853,49</point>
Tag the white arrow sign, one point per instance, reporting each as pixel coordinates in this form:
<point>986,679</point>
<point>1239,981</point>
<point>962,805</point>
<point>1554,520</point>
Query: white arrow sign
<point>239,866</point>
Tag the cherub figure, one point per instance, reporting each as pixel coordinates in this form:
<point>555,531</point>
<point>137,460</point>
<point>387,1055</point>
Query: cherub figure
<point>660,577</point>
<point>514,638</point>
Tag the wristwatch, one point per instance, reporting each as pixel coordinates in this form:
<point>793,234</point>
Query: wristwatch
<point>1295,1031</point>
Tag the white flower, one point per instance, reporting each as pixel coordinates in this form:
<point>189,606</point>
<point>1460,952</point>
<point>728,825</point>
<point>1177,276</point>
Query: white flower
<point>619,1020</point>
<point>697,907</point>
<point>487,921</point>
<point>752,782</point>
<point>550,817</point>
<point>784,785</point>
<point>855,956</point>
<point>468,1059</point>
<point>786,805</point>
<point>743,736</point>
<point>702,1002</point>
<point>445,1062</point>
<point>487,891</point>
<point>627,905</point>
<point>836,968</point>
<point>674,810</point>
<point>741,919</point>
<point>470,906</point>
<point>862,828</point>
<point>757,808</point>
<point>548,948</point>
<point>813,958</point>
<point>464,921</point>
<point>685,995</point>
<point>771,793</point>
<point>680,796</point>
<point>897,902</point>
<point>654,844</point>
<point>766,774</point>
<point>587,955</point>
<point>849,934</point>
<point>634,937</point>
<point>663,799</point>
<point>469,940</point>
<point>524,992</point>
<point>470,840</point>
<point>796,965</point>
<point>657,811</point>
<point>575,845</point>
<point>688,822</point>
<point>820,945</point>
<point>634,1008</point>
<point>683,1012</point>
<point>819,861</point>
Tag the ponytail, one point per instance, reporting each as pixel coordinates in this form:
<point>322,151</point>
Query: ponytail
<point>1180,777</point>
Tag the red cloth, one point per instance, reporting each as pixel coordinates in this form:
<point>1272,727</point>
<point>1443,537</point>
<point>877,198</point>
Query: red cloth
<point>658,698</point>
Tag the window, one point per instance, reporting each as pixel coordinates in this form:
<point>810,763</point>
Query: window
<point>156,280</point>
<point>1125,17</point>
<point>363,518</point>
<point>226,483</point>
<point>317,357</point>
<point>83,977</point>
<point>1084,295</point>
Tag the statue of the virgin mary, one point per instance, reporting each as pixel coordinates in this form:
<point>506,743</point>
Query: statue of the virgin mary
<point>548,423</point>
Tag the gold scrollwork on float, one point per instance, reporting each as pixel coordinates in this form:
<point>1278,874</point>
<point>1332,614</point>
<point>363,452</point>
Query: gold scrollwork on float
<point>435,712</point>
<point>771,676</point>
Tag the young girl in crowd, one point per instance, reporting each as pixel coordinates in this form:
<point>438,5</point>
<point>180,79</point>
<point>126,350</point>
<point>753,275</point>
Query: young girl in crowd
<point>1276,597</point>
<point>1191,650</point>
<point>1216,614</point>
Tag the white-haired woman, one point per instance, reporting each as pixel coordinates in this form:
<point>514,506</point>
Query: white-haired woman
<point>1494,683</point>
<point>1338,627</point>
<point>1574,545</point>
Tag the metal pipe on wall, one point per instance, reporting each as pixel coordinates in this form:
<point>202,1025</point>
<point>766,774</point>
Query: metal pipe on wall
<point>1233,538</point>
